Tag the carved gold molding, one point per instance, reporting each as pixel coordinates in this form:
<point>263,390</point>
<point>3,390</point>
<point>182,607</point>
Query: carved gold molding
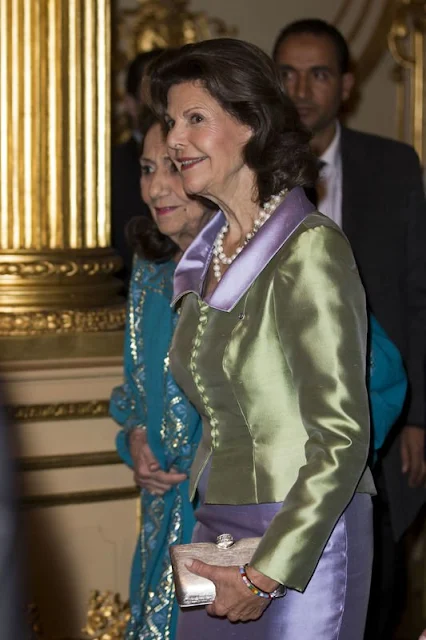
<point>153,24</point>
<point>170,23</point>
<point>54,293</point>
<point>62,322</point>
<point>107,616</point>
<point>89,265</point>
<point>60,411</point>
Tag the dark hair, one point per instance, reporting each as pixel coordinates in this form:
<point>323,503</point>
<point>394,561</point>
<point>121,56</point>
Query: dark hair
<point>142,233</point>
<point>137,68</point>
<point>245,82</point>
<point>317,27</point>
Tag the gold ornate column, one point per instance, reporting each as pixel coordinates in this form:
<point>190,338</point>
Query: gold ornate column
<point>407,45</point>
<point>56,265</point>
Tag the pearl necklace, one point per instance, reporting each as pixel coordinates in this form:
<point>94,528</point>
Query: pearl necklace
<point>219,256</point>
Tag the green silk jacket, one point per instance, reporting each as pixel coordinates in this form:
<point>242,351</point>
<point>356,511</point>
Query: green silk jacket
<point>275,361</point>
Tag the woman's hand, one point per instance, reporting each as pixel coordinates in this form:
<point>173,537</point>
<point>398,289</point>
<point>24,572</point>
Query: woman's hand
<point>234,600</point>
<point>147,472</point>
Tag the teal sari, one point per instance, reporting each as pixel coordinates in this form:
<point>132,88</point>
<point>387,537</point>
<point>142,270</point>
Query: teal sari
<point>150,397</point>
<point>387,385</point>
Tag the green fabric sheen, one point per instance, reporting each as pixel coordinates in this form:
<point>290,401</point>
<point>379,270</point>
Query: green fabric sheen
<point>280,384</point>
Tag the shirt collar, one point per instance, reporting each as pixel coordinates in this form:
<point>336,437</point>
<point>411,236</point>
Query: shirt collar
<point>330,157</point>
<point>191,271</point>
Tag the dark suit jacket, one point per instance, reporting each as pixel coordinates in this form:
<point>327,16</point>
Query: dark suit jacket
<point>126,200</point>
<point>384,217</point>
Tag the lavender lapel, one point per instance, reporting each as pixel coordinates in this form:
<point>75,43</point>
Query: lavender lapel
<point>191,271</point>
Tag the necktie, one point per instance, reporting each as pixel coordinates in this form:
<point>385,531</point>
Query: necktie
<point>312,195</point>
<point>312,191</point>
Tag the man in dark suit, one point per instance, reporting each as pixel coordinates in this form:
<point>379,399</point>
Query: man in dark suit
<point>126,199</point>
<point>372,187</point>
<point>13,617</point>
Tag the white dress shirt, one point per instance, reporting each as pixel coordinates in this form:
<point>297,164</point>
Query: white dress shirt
<point>330,181</point>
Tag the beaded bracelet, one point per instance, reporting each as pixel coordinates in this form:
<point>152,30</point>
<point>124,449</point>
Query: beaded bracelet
<point>279,592</point>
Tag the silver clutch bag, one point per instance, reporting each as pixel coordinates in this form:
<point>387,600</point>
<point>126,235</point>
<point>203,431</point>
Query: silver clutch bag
<point>192,590</point>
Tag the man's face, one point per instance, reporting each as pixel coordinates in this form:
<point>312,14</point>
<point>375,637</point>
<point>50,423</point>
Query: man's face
<point>312,78</point>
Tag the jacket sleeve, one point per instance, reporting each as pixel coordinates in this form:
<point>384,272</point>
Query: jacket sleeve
<point>321,321</point>
<point>415,287</point>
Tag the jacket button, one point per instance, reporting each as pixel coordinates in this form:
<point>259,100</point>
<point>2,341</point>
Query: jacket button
<point>241,316</point>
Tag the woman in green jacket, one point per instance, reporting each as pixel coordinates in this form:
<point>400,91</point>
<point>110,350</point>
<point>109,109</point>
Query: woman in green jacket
<point>271,349</point>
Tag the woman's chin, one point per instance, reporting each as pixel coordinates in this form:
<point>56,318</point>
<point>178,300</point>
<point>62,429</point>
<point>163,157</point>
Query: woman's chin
<point>168,229</point>
<point>192,187</point>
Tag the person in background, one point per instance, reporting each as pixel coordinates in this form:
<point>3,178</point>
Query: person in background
<point>161,428</point>
<point>13,617</point>
<point>372,188</point>
<point>271,349</point>
<point>126,199</point>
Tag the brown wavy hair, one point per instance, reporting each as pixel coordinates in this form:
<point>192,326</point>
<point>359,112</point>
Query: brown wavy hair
<point>245,82</point>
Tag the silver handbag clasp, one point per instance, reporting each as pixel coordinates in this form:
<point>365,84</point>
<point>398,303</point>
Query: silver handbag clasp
<point>225,541</point>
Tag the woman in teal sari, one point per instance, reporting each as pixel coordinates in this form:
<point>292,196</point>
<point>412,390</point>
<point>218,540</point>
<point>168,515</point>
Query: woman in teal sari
<point>160,428</point>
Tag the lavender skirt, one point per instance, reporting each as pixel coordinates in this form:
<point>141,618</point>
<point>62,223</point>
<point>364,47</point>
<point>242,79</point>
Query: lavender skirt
<point>334,604</point>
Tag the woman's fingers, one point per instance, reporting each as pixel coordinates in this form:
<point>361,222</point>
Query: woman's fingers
<point>158,482</point>
<point>170,478</point>
<point>141,453</point>
<point>162,477</point>
<point>233,599</point>
<point>148,457</point>
<point>151,486</point>
<point>202,569</point>
<point>147,472</point>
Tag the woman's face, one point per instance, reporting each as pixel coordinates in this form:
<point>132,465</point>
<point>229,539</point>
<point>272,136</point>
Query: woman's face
<point>205,141</point>
<point>175,214</point>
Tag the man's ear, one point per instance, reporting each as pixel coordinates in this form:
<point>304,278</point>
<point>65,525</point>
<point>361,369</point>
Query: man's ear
<point>348,81</point>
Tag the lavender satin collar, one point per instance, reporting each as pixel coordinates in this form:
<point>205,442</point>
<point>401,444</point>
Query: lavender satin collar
<point>191,271</point>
